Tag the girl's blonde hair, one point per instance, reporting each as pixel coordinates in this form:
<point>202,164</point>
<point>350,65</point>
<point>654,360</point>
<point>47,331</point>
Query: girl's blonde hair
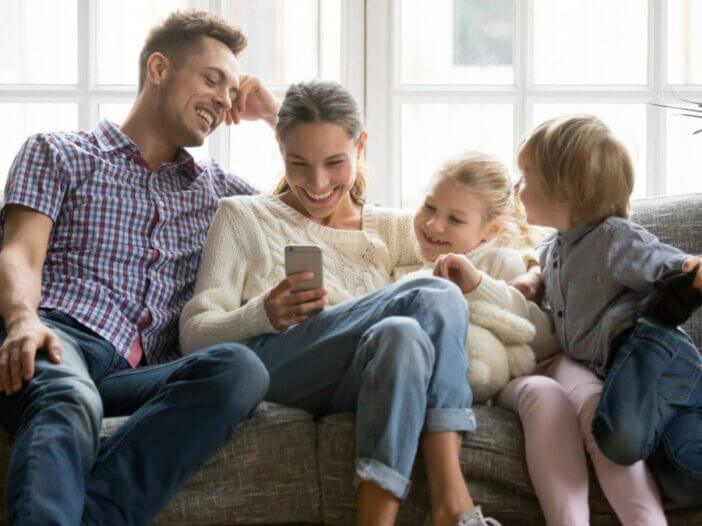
<point>488,179</point>
<point>580,162</point>
<point>317,101</point>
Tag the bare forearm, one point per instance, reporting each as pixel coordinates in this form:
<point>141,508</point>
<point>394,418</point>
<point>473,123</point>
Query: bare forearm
<point>20,287</point>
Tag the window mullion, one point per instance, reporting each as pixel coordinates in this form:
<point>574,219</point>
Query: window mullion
<point>86,117</point>
<point>656,117</point>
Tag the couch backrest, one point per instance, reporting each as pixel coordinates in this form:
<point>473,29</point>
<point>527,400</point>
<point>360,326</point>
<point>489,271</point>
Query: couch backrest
<point>678,222</point>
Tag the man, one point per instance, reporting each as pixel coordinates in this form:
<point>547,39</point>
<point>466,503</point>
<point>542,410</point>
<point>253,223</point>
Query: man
<point>102,239</point>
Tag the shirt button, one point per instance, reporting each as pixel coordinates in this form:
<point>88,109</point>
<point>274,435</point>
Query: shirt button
<point>560,313</point>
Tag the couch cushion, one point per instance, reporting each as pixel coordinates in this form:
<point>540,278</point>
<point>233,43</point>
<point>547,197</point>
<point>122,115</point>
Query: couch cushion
<point>266,473</point>
<point>678,222</point>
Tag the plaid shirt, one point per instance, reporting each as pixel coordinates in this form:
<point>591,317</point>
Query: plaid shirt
<point>126,241</point>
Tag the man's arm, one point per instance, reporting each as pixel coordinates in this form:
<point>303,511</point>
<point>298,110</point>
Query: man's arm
<point>26,238</point>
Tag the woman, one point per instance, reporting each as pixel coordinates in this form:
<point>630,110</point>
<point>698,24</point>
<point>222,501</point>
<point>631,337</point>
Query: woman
<point>394,354</point>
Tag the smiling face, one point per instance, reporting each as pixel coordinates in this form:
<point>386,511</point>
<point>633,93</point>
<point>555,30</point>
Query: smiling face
<point>451,220</point>
<point>193,99</point>
<point>320,168</point>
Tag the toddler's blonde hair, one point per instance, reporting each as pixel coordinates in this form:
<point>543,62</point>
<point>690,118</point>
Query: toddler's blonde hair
<point>488,179</point>
<point>582,164</point>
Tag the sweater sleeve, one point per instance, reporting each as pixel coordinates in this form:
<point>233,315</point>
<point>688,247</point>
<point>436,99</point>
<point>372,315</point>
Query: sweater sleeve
<point>395,228</point>
<point>215,314</point>
<point>494,289</point>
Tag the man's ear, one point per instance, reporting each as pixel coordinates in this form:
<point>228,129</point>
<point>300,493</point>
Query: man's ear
<point>157,68</point>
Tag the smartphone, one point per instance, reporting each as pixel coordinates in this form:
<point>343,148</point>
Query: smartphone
<point>304,258</point>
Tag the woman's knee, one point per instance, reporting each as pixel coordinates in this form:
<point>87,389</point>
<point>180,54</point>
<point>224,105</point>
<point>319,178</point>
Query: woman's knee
<point>440,298</point>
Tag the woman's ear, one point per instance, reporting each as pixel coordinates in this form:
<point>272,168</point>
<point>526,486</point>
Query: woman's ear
<point>361,145</point>
<point>157,68</point>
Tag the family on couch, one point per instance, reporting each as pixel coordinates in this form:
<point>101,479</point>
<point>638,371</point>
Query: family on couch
<point>109,309</point>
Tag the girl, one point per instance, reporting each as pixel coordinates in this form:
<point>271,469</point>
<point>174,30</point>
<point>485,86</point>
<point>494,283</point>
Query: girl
<point>394,354</point>
<point>468,218</point>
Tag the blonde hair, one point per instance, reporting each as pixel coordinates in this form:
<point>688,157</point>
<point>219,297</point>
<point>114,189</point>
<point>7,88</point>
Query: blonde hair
<point>488,179</point>
<point>581,163</point>
<point>317,101</point>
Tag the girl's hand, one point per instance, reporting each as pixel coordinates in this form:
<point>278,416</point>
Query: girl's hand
<point>286,308</point>
<point>691,264</point>
<point>459,269</point>
<point>531,284</point>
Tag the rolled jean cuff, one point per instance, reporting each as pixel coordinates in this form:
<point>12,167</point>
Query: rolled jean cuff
<point>383,475</point>
<point>439,420</point>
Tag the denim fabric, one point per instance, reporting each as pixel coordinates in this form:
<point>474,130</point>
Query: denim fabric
<point>651,408</point>
<point>59,471</point>
<point>396,357</point>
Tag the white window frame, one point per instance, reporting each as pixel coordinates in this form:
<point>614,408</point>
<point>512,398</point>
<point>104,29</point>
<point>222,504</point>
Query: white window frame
<point>88,94</point>
<point>385,93</point>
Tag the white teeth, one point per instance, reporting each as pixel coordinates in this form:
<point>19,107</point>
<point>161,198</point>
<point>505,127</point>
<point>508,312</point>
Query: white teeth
<point>434,240</point>
<point>319,197</point>
<point>206,115</point>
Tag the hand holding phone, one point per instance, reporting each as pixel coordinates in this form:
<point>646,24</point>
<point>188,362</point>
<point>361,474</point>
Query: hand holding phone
<point>300,294</point>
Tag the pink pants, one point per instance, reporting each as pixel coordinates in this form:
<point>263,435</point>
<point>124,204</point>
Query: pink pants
<point>556,406</point>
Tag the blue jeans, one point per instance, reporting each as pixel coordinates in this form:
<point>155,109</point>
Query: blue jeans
<point>61,473</point>
<point>651,408</point>
<point>395,356</point>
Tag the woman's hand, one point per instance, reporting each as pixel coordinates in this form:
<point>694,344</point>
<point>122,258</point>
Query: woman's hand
<point>286,308</point>
<point>459,269</point>
<point>253,101</point>
<point>530,284</point>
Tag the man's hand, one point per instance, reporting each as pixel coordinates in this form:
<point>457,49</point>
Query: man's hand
<point>530,284</point>
<point>24,338</point>
<point>459,269</point>
<point>691,264</point>
<point>254,101</point>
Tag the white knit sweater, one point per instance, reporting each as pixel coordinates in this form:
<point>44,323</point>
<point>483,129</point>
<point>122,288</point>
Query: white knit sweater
<point>243,258</point>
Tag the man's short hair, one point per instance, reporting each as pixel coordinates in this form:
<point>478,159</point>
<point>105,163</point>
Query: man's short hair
<point>181,33</point>
<point>582,164</point>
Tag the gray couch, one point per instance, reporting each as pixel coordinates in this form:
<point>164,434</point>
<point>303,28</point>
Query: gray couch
<point>282,467</point>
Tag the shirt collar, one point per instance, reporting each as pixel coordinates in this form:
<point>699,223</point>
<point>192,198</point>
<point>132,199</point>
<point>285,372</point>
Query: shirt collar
<point>575,233</point>
<point>111,138</point>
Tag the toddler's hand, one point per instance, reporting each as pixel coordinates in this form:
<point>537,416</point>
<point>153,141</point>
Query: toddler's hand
<point>530,284</point>
<point>691,264</point>
<point>458,269</point>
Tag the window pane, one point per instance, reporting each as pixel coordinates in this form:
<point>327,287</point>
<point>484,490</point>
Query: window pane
<point>19,120</point>
<point>684,154</point>
<point>433,132</point>
<point>590,41</point>
<point>627,122</point>
<point>685,41</point>
<point>117,112</point>
<point>39,42</point>
<point>460,41</point>
<point>254,154</point>
<point>290,40</point>
<point>127,22</point>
